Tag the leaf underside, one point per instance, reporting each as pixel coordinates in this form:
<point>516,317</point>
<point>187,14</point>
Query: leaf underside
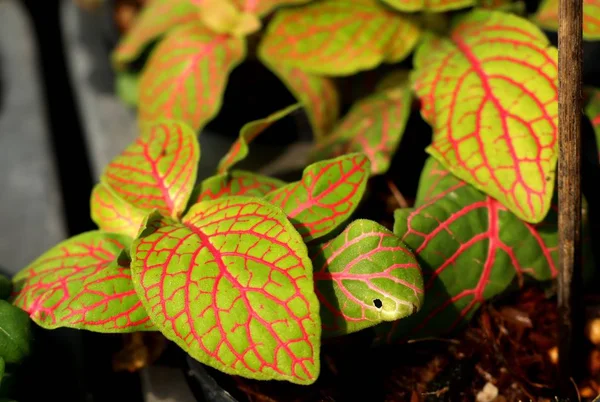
<point>490,94</point>
<point>365,276</point>
<point>470,249</point>
<point>232,286</point>
<point>373,126</point>
<point>317,94</point>
<point>239,150</point>
<point>80,283</point>
<point>326,196</point>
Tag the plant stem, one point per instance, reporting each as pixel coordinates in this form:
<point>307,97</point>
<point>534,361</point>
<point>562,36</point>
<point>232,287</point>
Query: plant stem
<point>570,307</point>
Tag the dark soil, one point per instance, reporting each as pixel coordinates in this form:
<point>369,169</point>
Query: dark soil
<point>507,353</point>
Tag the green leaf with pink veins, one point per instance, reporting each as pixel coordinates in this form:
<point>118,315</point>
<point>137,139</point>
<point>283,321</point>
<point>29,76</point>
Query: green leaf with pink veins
<point>186,75</point>
<point>326,196</point>
<point>490,92</point>
<point>338,38</point>
<point>232,286</point>
<point>157,171</point>
<point>470,247</point>
<point>84,283</point>
<point>365,276</point>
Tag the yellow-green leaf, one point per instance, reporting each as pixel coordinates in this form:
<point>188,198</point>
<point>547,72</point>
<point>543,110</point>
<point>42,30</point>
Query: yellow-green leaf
<point>490,92</point>
<point>186,75</point>
<point>338,37</point>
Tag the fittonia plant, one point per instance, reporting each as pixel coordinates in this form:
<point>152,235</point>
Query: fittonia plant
<point>237,270</point>
<point>248,273</point>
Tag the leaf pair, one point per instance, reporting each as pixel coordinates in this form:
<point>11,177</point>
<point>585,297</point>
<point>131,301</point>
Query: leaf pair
<point>470,247</point>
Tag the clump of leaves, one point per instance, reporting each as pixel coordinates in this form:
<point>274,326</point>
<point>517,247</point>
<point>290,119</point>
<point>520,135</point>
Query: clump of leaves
<point>245,272</point>
<point>248,273</point>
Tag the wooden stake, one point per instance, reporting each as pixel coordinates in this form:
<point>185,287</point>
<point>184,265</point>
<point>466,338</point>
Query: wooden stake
<point>570,60</point>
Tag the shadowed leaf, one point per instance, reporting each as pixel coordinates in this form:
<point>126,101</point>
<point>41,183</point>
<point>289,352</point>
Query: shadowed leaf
<point>592,110</point>
<point>318,95</point>
<point>365,276</point>
<point>373,126</point>
<point>15,334</point>
<point>239,149</point>
<point>470,248</point>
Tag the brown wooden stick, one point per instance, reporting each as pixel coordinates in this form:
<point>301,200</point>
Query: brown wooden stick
<point>570,60</point>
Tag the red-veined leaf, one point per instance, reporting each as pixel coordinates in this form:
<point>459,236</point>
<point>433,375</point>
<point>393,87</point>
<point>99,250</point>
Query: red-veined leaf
<point>490,93</point>
<point>156,18</point>
<point>263,7</point>
<point>547,17</point>
<point>365,276</point>
<point>470,248</point>
<point>373,126</point>
<point>158,171</point>
<point>236,182</point>
<point>317,94</point>
<point>429,5</point>
<point>239,149</point>
<point>186,75</point>
<point>326,196</point>
<point>113,214</point>
<point>232,285</point>
<point>334,37</point>
<point>592,110</point>
<point>82,283</point>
